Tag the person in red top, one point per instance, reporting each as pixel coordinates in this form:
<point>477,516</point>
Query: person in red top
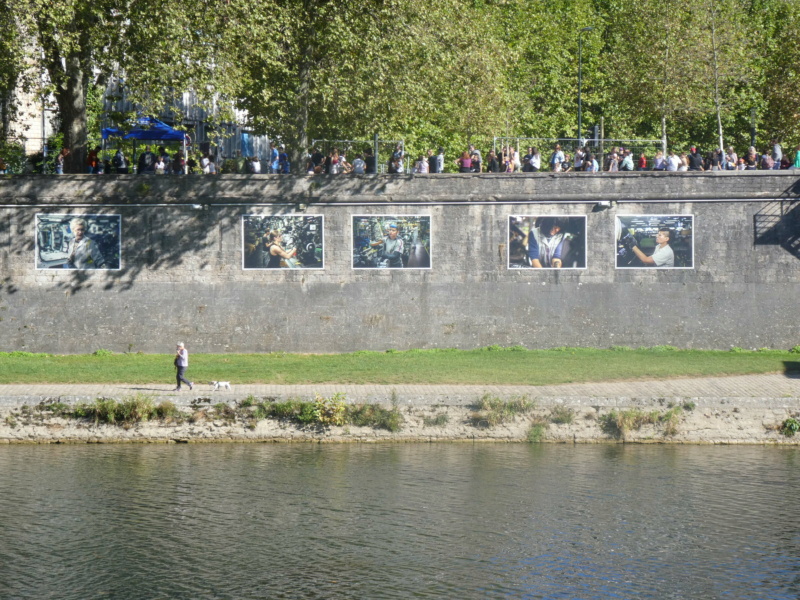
<point>92,160</point>
<point>465,163</point>
<point>642,162</point>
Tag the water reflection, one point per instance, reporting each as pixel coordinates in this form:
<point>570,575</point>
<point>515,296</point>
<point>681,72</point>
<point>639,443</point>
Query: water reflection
<point>399,521</point>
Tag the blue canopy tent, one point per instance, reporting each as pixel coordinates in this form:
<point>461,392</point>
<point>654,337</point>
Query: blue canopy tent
<point>149,129</point>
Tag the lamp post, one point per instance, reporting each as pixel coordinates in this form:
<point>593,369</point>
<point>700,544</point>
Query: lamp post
<point>580,81</point>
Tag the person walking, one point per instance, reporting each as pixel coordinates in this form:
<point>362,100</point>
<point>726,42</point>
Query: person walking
<point>181,364</point>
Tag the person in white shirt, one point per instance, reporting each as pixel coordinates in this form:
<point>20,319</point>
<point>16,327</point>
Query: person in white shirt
<point>536,160</point>
<point>421,166</point>
<point>673,161</point>
<point>663,255</point>
<point>359,165</point>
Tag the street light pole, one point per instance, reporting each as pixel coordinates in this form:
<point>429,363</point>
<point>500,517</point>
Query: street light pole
<point>580,82</point>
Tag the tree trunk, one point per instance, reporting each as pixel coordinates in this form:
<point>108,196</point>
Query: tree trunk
<point>715,58</point>
<point>71,98</point>
<point>301,120</point>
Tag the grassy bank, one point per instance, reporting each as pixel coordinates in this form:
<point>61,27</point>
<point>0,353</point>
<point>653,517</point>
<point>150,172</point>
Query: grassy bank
<point>492,365</point>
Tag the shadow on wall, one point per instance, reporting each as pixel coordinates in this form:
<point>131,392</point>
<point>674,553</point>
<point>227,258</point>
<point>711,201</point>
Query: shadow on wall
<point>152,238</point>
<point>158,237</point>
<point>778,224</point>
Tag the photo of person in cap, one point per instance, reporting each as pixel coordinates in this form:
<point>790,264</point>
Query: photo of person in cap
<point>391,242</point>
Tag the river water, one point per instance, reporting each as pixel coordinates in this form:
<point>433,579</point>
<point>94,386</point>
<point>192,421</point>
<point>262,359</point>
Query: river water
<point>399,521</point>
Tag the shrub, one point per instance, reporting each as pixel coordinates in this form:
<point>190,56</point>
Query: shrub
<point>670,420</point>
<point>102,352</point>
<point>167,410</point>
<point>249,401</point>
<point>330,411</point>
<point>789,427</point>
<point>618,423</point>
<point>136,409</point>
<point>562,415</point>
<point>795,350</point>
<point>225,412</point>
<point>491,410</point>
<point>440,420</point>
<point>57,408</point>
<point>536,433</point>
<point>374,415</point>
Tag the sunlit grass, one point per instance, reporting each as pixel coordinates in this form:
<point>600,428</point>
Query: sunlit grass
<point>493,365</point>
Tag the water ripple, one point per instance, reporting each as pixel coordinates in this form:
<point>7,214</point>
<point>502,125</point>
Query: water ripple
<point>399,521</point>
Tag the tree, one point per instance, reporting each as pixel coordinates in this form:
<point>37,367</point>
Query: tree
<point>409,69</point>
<point>83,44</point>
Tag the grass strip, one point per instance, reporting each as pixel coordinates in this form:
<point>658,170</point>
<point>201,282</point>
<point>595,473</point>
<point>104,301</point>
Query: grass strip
<point>492,365</point>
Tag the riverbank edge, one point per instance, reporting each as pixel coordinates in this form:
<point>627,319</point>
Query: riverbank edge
<point>703,421</point>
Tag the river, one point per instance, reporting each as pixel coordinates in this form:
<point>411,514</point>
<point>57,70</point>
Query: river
<point>453,520</point>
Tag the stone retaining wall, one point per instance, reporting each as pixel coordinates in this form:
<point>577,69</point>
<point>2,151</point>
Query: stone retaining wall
<point>182,276</point>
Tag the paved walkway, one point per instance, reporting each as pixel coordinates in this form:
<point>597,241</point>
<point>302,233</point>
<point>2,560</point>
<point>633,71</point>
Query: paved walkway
<point>776,387</point>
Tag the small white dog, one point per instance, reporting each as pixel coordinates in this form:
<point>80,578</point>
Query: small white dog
<point>225,385</point>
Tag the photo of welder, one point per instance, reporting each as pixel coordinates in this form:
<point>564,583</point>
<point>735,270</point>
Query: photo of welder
<point>655,242</point>
<point>546,242</point>
<point>79,242</point>
<point>282,242</point>
<point>392,242</point>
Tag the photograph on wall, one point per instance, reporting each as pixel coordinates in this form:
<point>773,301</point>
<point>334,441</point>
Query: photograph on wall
<point>392,242</point>
<point>77,241</point>
<point>546,242</point>
<point>655,242</point>
<point>282,242</point>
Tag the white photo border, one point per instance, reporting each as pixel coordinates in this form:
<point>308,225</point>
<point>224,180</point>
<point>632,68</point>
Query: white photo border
<point>292,215</point>
<point>68,217</point>
<point>389,217</point>
<point>617,231</point>
<point>532,269</point>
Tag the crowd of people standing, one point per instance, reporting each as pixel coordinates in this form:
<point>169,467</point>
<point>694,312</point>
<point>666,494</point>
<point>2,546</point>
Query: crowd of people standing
<point>507,159</point>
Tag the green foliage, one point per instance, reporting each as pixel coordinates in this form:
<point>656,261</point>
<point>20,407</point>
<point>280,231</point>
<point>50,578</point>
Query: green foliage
<point>23,354</point>
<point>562,415</point>
<point>619,423</point>
<point>56,408</point>
<point>536,433</point>
<point>670,420</point>
<point>374,415</point>
<point>167,411</point>
<point>689,405</point>
<point>248,402</point>
<point>225,412</point>
<point>664,349</point>
<point>330,411</point>
<point>128,411</point>
<point>490,411</point>
<point>795,350</point>
<point>440,420</point>
<point>102,352</point>
<point>789,427</point>
<point>737,350</point>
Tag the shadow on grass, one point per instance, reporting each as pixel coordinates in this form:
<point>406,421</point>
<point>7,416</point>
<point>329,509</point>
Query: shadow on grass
<point>791,368</point>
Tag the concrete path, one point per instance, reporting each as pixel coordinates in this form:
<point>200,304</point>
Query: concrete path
<point>777,388</point>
